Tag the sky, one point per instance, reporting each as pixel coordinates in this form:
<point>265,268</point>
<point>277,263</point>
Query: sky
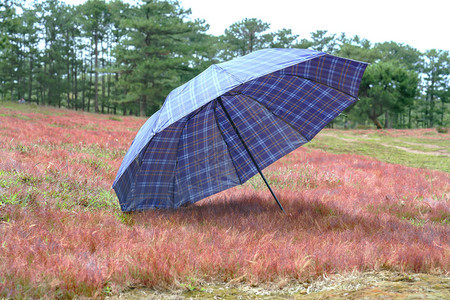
<point>422,24</point>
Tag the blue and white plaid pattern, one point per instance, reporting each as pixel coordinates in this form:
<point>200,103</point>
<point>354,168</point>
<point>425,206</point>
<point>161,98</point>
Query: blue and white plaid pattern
<point>278,98</point>
<point>268,138</point>
<point>204,163</point>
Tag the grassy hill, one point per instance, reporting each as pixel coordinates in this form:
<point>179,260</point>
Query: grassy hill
<point>366,208</point>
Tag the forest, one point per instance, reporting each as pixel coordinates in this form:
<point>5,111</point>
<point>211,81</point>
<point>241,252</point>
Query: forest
<point>120,58</point>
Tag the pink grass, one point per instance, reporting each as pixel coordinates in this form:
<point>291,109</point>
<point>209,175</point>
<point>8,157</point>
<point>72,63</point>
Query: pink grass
<point>344,212</point>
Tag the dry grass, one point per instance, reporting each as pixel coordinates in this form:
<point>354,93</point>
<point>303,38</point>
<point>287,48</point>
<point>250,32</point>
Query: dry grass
<point>63,235</point>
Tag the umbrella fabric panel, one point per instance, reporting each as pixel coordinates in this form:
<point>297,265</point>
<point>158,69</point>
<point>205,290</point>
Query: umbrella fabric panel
<point>140,141</point>
<point>122,185</point>
<point>267,137</point>
<point>204,165</point>
<point>154,184</point>
<point>336,72</point>
<point>305,105</point>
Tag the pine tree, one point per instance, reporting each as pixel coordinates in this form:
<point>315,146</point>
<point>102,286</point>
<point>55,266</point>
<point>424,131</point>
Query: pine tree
<point>95,19</point>
<point>436,70</point>
<point>153,53</point>
<point>244,37</point>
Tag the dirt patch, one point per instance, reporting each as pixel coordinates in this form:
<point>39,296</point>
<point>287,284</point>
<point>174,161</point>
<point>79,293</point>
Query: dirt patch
<point>339,138</point>
<point>356,285</point>
<point>423,145</point>
<point>435,153</point>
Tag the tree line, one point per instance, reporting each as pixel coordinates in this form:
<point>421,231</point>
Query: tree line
<point>117,57</point>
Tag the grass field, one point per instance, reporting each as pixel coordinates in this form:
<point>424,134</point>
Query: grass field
<point>367,214</point>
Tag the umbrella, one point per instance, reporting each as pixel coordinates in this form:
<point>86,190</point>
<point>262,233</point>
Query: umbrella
<point>230,122</point>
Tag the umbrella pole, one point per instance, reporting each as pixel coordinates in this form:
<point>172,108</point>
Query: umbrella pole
<point>219,99</point>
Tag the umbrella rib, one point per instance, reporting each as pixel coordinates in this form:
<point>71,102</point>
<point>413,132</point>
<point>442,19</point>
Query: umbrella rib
<point>219,100</point>
<point>225,141</point>
<point>230,74</point>
<point>278,117</point>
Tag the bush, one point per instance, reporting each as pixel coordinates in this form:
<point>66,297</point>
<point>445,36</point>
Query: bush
<point>115,118</point>
<point>363,126</point>
<point>442,129</point>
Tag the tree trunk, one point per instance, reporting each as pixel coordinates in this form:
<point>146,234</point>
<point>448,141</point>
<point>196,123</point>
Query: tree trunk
<point>373,115</point>
<point>42,96</point>
<point>376,122</point>
<point>409,117</point>
<point>96,74</point>
<point>12,87</point>
<point>75,85</point>
<point>103,81</point>
<point>30,78</point>
<point>108,84</point>
<point>19,94</point>
<point>386,120</point>
<point>43,92</point>
<point>142,105</point>
<point>83,87</point>
<point>68,83</point>
<point>19,70</point>
<point>50,76</point>
<point>90,84</point>
<point>431,111</point>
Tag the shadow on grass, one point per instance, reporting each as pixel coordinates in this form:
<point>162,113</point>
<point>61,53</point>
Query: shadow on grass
<point>253,212</point>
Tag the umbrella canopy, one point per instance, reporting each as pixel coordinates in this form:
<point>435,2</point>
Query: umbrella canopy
<point>269,102</point>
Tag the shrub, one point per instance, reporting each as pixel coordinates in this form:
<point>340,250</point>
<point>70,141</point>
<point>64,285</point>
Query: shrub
<point>442,129</point>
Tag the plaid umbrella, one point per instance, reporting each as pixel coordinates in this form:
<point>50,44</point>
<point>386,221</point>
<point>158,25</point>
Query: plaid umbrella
<point>234,119</point>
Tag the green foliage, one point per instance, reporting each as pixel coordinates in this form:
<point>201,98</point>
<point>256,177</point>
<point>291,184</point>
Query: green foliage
<point>283,38</point>
<point>357,48</point>
<point>244,37</point>
<point>95,17</point>
<point>442,129</point>
<point>404,55</point>
<point>322,41</point>
<point>386,87</point>
<point>154,52</point>
<point>125,57</point>
<point>8,23</point>
<point>436,70</point>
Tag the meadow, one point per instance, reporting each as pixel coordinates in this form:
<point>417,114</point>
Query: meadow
<point>356,201</point>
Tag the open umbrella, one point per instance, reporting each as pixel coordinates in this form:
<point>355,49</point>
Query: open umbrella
<point>234,119</point>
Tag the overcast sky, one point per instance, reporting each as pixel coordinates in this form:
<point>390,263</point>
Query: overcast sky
<point>423,24</point>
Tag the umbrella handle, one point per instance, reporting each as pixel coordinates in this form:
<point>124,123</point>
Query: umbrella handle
<point>219,100</point>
